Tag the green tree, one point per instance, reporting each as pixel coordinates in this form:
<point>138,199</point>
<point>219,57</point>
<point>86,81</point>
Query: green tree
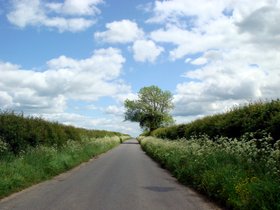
<point>151,109</point>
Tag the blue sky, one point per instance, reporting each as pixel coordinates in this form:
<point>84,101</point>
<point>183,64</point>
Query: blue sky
<point>76,61</point>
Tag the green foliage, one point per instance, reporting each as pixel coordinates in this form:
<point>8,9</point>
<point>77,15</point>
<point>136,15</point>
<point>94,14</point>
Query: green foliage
<point>260,118</point>
<point>151,109</point>
<point>239,174</point>
<point>18,133</point>
<point>3,147</point>
<point>44,162</point>
<point>32,149</point>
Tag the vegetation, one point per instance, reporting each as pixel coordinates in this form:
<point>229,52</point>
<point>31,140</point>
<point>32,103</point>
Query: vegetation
<point>151,109</point>
<point>32,149</point>
<point>240,174</point>
<point>43,162</point>
<point>19,133</point>
<point>260,118</point>
<point>232,157</point>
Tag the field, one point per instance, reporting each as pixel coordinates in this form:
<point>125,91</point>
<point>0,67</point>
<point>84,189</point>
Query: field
<point>33,150</point>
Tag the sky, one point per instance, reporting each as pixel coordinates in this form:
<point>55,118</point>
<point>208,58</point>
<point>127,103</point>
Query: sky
<point>76,61</point>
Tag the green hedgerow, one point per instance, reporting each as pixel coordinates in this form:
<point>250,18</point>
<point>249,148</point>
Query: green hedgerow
<point>260,118</point>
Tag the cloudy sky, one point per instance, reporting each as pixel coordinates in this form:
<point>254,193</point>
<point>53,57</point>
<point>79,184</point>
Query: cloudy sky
<point>76,61</point>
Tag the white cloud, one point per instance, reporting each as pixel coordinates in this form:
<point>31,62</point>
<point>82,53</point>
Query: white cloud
<point>26,12</point>
<point>112,123</point>
<point>116,124</point>
<point>76,7</point>
<point>5,100</point>
<point>64,79</point>
<point>199,61</point>
<point>233,79</point>
<point>188,60</point>
<point>146,50</point>
<point>262,26</point>
<point>239,46</point>
<point>67,16</point>
<point>189,13</point>
<point>114,110</point>
<point>214,35</point>
<point>71,24</point>
<point>215,25</point>
<point>124,31</point>
<point>172,10</point>
<point>146,7</point>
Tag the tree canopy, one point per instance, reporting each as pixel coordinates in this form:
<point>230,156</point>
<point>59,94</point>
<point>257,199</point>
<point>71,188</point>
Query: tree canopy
<point>151,109</point>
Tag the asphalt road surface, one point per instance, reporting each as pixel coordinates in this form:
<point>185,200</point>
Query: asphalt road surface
<point>124,178</point>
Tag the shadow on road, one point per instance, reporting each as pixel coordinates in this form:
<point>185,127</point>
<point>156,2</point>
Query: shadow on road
<point>159,189</point>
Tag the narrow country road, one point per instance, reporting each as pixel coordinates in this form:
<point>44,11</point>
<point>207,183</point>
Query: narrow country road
<point>125,178</point>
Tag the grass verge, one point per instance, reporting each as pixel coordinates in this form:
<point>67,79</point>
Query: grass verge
<point>238,174</point>
<point>43,162</point>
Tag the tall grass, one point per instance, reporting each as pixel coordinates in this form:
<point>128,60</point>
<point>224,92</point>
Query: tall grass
<point>43,162</point>
<point>238,173</point>
<point>260,118</point>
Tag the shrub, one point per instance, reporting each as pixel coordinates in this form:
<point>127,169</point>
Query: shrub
<point>260,118</point>
<point>3,147</point>
<point>20,133</point>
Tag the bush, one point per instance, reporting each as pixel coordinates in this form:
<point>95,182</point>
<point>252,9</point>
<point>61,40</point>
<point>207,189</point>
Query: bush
<point>260,118</point>
<point>20,133</point>
<point>3,147</point>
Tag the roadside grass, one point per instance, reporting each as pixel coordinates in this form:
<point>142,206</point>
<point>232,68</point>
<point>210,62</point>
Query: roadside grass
<point>240,174</point>
<point>34,165</point>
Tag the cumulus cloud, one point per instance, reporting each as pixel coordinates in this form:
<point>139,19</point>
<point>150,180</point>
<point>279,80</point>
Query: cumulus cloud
<point>114,123</point>
<point>70,15</point>
<point>172,10</point>
<point>199,61</point>
<point>236,43</point>
<point>214,35</point>
<point>190,14</point>
<point>5,100</point>
<point>127,31</point>
<point>262,26</point>
<point>114,110</point>
<point>65,78</point>
<point>75,7</point>
<point>228,81</point>
<point>146,50</point>
<point>215,25</point>
<point>124,31</point>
